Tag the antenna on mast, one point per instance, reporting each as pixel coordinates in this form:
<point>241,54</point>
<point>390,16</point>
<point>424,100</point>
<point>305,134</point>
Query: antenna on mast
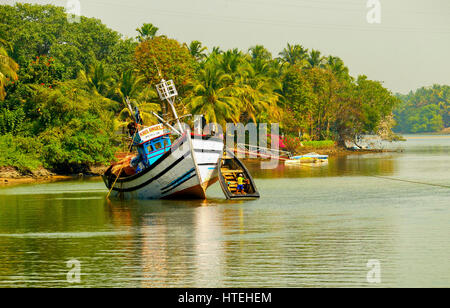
<point>167,91</point>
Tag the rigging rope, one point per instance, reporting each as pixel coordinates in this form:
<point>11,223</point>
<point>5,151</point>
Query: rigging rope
<point>154,59</point>
<point>411,182</point>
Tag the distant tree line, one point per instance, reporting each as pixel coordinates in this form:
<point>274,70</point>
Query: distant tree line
<point>425,110</point>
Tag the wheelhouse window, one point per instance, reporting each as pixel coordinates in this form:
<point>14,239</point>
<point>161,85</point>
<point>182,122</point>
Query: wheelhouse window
<point>158,145</point>
<point>166,142</point>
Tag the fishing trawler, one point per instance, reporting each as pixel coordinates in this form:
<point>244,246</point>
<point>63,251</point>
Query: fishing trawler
<point>162,169</point>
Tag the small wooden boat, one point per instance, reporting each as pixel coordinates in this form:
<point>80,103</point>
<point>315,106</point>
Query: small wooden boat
<point>230,169</point>
<point>310,158</point>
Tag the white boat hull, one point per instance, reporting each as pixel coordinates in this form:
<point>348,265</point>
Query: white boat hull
<point>174,175</point>
<point>184,172</point>
<point>208,152</point>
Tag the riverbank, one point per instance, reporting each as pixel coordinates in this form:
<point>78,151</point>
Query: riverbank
<point>12,176</point>
<point>338,151</point>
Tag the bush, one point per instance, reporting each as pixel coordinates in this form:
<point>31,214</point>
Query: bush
<point>293,144</point>
<point>77,145</point>
<point>20,152</point>
<point>11,120</point>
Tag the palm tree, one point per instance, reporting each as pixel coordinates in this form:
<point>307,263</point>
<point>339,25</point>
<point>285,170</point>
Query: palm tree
<point>8,69</point>
<point>294,54</point>
<point>259,52</point>
<point>215,96</point>
<point>336,65</point>
<point>263,68</point>
<point>279,67</point>
<point>258,96</point>
<point>231,62</point>
<point>197,50</point>
<point>146,110</point>
<point>146,32</point>
<point>216,51</point>
<point>98,79</point>
<point>261,61</point>
<point>130,88</point>
<point>128,85</point>
<point>315,59</point>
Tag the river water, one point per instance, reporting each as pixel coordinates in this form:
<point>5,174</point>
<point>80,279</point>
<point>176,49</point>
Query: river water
<point>312,227</point>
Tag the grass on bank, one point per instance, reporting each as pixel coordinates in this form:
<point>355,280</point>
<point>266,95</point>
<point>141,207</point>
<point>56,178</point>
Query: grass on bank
<point>322,144</point>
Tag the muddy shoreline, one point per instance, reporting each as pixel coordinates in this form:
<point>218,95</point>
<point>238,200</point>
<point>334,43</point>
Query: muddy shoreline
<point>445,131</point>
<point>11,176</point>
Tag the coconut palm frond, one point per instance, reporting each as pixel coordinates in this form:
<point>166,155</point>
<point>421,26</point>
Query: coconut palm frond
<point>8,69</point>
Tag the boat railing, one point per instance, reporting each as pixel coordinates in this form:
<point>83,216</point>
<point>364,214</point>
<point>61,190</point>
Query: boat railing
<point>263,152</point>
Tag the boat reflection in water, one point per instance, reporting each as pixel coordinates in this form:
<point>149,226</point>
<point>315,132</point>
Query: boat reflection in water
<point>172,253</point>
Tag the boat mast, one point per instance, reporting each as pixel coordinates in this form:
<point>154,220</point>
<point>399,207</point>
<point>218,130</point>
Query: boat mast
<point>167,91</point>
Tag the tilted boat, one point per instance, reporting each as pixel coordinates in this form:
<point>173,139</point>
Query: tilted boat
<point>182,169</point>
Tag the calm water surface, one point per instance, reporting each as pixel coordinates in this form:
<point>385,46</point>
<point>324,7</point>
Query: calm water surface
<point>312,227</point>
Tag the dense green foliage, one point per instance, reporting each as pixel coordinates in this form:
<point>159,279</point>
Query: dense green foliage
<point>319,144</point>
<point>49,116</point>
<point>162,57</point>
<point>64,88</point>
<point>8,68</point>
<point>425,110</point>
<point>34,30</point>
<point>328,103</point>
<point>20,152</point>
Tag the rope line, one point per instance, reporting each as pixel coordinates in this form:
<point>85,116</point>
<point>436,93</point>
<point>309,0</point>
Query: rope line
<point>411,182</point>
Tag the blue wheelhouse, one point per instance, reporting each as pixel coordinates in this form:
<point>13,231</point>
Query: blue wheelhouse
<point>156,148</point>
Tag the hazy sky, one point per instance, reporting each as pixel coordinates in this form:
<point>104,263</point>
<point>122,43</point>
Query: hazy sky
<point>409,49</point>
